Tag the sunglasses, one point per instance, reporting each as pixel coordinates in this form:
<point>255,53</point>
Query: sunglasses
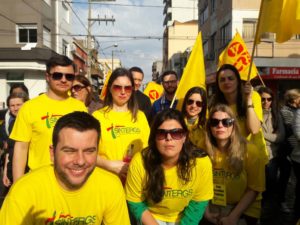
<point>59,76</point>
<point>228,122</point>
<point>266,99</point>
<point>119,88</point>
<point>77,88</point>
<point>176,134</point>
<point>191,102</point>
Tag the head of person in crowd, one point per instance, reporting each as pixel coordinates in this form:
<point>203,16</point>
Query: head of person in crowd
<point>15,101</point>
<point>269,103</point>
<point>75,147</point>
<point>138,76</point>
<point>195,105</point>
<point>82,89</point>
<point>169,81</point>
<point>167,147</point>
<point>292,98</point>
<point>120,92</point>
<point>223,134</point>
<point>60,74</point>
<point>18,88</point>
<point>229,84</point>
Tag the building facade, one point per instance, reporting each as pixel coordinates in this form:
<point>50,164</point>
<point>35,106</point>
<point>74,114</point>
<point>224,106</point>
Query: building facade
<point>219,20</point>
<point>31,32</point>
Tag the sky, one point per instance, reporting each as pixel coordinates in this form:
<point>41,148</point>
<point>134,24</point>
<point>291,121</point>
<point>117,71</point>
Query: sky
<point>133,20</point>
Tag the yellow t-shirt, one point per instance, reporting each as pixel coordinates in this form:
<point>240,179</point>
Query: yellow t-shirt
<point>119,133</point>
<point>35,123</point>
<point>177,195</point>
<point>196,134</point>
<point>252,176</point>
<point>37,198</point>
<point>258,139</point>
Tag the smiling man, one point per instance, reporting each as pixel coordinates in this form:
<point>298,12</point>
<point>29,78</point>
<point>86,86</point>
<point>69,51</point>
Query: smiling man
<point>35,121</point>
<point>72,191</point>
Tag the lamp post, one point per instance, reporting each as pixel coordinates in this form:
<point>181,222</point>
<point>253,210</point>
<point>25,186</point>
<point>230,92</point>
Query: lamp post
<point>112,54</point>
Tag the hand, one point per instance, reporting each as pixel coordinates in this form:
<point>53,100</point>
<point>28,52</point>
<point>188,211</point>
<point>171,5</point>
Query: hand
<point>119,167</point>
<point>6,181</point>
<point>212,217</point>
<point>228,220</point>
<point>248,90</point>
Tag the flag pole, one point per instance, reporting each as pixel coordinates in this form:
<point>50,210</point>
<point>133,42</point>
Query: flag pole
<point>173,100</point>
<point>255,43</point>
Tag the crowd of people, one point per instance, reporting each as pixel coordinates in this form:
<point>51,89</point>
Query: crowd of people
<point>70,158</point>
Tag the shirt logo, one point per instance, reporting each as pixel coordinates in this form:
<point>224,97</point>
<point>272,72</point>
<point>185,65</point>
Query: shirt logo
<point>51,119</point>
<point>119,130</point>
<point>68,219</point>
<point>180,193</point>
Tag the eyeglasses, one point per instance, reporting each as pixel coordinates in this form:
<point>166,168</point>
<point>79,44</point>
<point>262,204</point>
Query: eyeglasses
<point>77,88</point>
<point>119,88</point>
<point>170,82</point>
<point>227,122</point>
<point>176,134</point>
<point>266,99</point>
<point>59,76</point>
<point>191,102</point>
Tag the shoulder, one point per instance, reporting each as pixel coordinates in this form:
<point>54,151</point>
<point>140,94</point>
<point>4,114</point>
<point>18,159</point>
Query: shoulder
<point>203,162</point>
<point>105,181</point>
<point>252,151</point>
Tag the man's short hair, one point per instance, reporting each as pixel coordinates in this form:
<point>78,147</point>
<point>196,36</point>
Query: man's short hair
<point>21,95</point>
<point>136,69</point>
<point>59,60</point>
<point>169,72</point>
<point>79,121</point>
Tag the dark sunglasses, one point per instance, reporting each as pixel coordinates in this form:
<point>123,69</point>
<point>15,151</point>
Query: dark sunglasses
<point>119,88</point>
<point>191,102</point>
<point>77,87</point>
<point>176,134</point>
<point>266,99</point>
<point>59,76</point>
<point>228,122</point>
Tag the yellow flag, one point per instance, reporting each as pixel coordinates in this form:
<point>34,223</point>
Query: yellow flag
<point>153,91</point>
<point>193,73</point>
<point>104,89</point>
<point>281,17</point>
<point>236,54</point>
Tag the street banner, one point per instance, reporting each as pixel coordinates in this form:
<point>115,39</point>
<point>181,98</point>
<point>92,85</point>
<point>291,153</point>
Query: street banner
<point>236,54</point>
<point>153,91</point>
<point>193,73</point>
<point>281,17</point>
<point>104,89</point>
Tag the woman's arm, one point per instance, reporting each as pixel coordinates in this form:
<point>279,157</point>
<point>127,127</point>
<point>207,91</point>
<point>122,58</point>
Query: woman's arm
<point>279,135</point>
<point>252,121</point>
<point>193,213</point>
<point>247,199</point>
<point>296,124</point>
<point>115,166</point>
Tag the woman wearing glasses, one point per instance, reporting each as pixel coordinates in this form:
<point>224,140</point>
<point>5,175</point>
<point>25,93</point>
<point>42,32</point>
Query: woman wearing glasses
<point>124,129</point>
<point>194,111</point>
<point>238,170</point>
<point>82,90</point>
<point>274,134</point>
<point>243,101</point>
<point>167,183</point>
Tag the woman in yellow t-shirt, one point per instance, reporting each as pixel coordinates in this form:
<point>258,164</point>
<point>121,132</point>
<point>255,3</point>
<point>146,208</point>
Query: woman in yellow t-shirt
<point>194,111</point>
<point>168,183</point>
<point>124,129</point>
<point>238,171</point>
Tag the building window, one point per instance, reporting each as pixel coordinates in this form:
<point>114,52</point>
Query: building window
<point>46,37</point>
<point>225,34</point>
<point>65,48</point>
<point>249,28</point>
<point>48,2</point>
<point>204,15</point>
<point>205,48</point>
<point>26,33</point>
<point>212,46</point>
<point>212,6</point>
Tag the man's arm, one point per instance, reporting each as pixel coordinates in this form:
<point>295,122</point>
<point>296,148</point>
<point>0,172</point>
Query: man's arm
<point>19,159</point>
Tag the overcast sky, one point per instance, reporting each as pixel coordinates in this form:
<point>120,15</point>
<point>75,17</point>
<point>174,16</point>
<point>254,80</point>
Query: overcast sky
<point>131,21</point>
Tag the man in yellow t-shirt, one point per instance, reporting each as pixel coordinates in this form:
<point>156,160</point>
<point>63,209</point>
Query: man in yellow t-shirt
<point>73,191</point>
<point>34,124</point>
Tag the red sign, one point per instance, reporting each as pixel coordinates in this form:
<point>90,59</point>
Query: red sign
<point>286,73</point>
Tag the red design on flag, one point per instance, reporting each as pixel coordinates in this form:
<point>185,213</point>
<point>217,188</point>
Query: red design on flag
<point>236,50</point>
<point>153,94</point>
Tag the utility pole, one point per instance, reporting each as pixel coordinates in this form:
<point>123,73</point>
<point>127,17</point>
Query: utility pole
<point>91,21</point>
